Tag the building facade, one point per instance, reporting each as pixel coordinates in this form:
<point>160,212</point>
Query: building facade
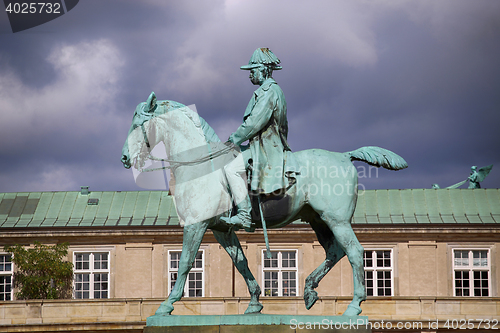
<point>431,258</point>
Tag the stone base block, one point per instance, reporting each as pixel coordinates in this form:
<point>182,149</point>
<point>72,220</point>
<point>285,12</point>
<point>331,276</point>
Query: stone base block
<point>256,323</point>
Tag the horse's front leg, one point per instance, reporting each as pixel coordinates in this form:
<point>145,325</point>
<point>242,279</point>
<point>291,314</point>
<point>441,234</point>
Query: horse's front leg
<point>193,234</point>
<point>232,246</point>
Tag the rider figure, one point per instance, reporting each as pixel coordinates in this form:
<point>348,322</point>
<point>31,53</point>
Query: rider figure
<point>265,126</point>
<point>474,178</point>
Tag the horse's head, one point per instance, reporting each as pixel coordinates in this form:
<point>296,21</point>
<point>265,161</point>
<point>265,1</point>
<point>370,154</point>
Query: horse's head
<point>176,125</point>
<point>143,112</point>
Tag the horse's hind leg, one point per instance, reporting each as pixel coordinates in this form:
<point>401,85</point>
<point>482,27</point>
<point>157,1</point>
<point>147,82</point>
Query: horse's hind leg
<point>232,246</point>
<point>347,240</point>
<point>333,254</point>
<point>193,234</point>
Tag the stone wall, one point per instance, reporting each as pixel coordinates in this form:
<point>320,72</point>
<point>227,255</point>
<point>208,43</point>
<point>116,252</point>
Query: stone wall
<point>129,315</point>
<point>420,268</point>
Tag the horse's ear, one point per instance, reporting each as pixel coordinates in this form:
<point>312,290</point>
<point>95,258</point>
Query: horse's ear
<point>151,102</point>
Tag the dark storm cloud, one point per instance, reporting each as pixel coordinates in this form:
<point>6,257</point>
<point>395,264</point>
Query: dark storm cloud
<point>418,77</point>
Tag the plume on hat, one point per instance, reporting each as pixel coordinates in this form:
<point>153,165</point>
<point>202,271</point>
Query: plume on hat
<point>263,56</point>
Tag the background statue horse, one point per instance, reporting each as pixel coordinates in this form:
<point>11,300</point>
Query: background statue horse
<point>323,193</point>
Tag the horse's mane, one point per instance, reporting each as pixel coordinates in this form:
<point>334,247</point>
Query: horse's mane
<point>167,106</point>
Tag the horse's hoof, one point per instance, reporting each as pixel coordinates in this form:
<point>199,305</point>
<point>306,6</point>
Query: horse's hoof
<point>164,310</point>
<point>254,308</point>
<point>352,310</point>
<point>310,298</point>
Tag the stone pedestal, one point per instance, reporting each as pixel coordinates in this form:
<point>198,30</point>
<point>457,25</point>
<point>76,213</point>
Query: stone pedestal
<point>256,323</point>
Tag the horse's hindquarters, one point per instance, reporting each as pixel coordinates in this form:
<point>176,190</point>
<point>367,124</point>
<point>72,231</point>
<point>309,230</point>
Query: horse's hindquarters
<point>327,181</point>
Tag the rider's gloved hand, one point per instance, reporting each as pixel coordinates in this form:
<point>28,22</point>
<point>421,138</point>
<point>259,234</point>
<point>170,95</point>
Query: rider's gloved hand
<point>230,141</point>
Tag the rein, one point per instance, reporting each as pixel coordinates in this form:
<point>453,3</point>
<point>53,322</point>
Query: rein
<point>175,164</point>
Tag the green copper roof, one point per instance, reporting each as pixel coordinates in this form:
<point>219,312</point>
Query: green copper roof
<point>417,206</point>
<point>156,208</point>
<point>72,209</point>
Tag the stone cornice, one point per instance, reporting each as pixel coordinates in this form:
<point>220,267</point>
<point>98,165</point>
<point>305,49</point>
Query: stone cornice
<point>289,234</point>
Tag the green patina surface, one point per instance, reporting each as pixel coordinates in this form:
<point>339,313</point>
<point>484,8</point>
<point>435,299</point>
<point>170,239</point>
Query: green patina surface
<point>255,319</point>
<point>156,208</point>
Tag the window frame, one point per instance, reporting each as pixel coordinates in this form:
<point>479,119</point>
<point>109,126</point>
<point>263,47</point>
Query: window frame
<point>9,273</point>
<point>280,270</point>
<point>91,271</point>
<point>376,269</point>
<point>471,269</point>
<point>171,270</point>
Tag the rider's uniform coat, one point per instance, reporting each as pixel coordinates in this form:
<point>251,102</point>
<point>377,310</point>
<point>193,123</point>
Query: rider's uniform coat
<point>266,127</point>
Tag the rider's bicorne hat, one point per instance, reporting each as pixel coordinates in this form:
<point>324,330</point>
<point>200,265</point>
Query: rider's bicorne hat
<point>263,56</point>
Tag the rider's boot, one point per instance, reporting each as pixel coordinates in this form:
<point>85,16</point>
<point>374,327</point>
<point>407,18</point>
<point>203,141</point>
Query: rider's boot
<point>243,219</point>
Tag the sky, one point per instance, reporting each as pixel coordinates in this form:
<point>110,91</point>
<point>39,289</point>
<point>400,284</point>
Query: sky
<point>420,78</point>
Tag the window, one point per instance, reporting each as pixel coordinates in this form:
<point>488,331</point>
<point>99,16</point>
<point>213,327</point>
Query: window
<point>280,273</point>
<point>5,277</point>
<point>91,275</point>
<point>378,272</point>
<point>471,272</point>
<point>195,281</point>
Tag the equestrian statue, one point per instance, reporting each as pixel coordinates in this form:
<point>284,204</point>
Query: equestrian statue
<point>227,186</point>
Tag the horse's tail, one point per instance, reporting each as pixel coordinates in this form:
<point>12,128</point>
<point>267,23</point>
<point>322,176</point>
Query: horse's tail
<point>377,156</point>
